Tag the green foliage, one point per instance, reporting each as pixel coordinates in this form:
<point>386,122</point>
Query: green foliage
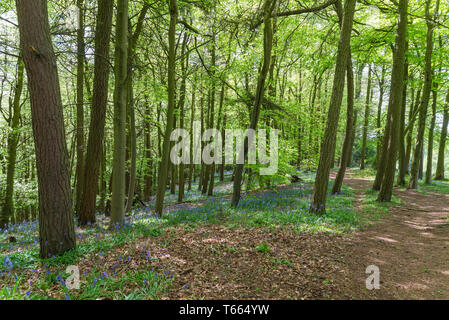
<point>263,247</point>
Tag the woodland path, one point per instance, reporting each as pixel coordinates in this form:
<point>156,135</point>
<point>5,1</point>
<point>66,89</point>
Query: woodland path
<point>410,246</point>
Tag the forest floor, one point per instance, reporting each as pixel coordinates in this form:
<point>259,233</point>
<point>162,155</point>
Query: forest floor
<point>410,246</point>
<point>269,247</point>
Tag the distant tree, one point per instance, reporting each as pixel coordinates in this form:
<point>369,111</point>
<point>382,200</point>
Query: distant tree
<point>120,101</point>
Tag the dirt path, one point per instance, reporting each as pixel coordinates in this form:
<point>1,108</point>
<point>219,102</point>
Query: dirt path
<point>410,247</point>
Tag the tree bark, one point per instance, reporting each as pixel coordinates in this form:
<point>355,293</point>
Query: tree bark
<point>402,158</point>
<point>7,212</point>
<point>98,113</point>
<point>439,175</point>
<point>366,120</point>
<point>56,226</point>
<point>260,90</point>
<point>79,107</point>
<point>120,100</point>
<point>396,93</point>
<point>417,161</point>
<point>328,144</point>
<point>428,179</point>
<point>163,167</point>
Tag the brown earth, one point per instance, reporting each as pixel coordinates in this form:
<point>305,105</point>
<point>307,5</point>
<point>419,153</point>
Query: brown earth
<point>409,245</point>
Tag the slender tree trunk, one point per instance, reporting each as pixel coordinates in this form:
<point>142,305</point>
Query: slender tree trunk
<point>7,212</point>
<point>358,92</point>
<point>163,167</point>
<point>268,44</point>
<point>379,117</point>
<point>120,100</point>
<point>148,156</point>
<point>182,98</point>
<point>345,153</point>
<point>98,113</point>
<point>417,161</point>
<point>79,107</point>
<point>192,116</point>
<point>366,120</point>
<point>328,144</point>
<point>428,179</point>
<point>56,226</point>
<point>212,115</point>
<point>439,175</point>
<point>336,188</point>
<point>402,159</point>
<point>132,43</point>
<point>396,92</point>
<point>411,124</point>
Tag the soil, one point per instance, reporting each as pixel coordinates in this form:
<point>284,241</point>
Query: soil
<point>409,246</point>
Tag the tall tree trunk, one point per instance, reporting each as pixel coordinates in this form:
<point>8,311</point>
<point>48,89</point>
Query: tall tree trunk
<point>260,90</point>
<point>13,139</point>
<point>210,189</point>
<point>379,117</point>
<point>79,107</point>
<point>366,119</point>
<point>120,100</point>
<point>417,161</point>
<point>402,158</point>
<point>396,92</point>
<point>132,43</point>
<point>439,175</point>
<point>358,93</point>
<point>428,179</point>
<point>411,127</point>
<point>328,144</point>
<point>181,103</point>
<point>148,156</point>
<point>336,188</point>
<point>345,153</point>
<point>56,226</point>
<point>98,113</point>
<point>192,116</point>
<point>163,167</point>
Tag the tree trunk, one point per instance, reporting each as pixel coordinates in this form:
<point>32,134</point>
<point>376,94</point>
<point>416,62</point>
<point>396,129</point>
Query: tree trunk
<point>336,188</point>
<point>148,157</point>
<point>98,114</point>
<point>268,44</point>
<point>411,124</point>
<point>328,144</point>
<point>120,100</point>
<point>13,139</point>
<point>79,107</point>
<point>379,117</point>
<point>396,92</point>
<point>163,167</point>
<point>439,175</point>
<point>417,161</point>
<point>428,179</point>
<point>56,227</point>
<point>366,120</point>
<point>402,158</point>
<point>182,98</point>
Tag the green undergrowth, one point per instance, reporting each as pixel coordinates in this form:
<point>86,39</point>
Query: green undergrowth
<point>285,207</point>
